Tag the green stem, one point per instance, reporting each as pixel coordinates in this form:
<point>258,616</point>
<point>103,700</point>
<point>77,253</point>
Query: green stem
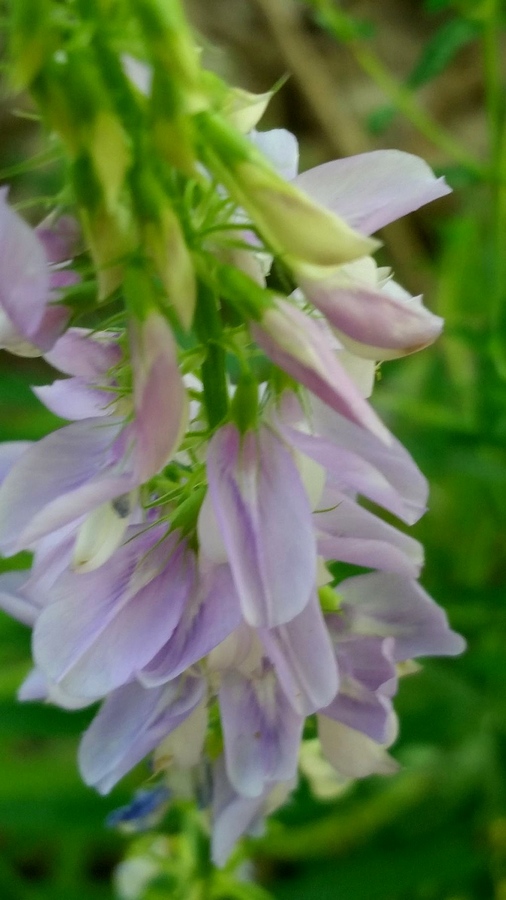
<point>209,331</point>
<point>399,95</point>
<point>497,143</point>
<point>404,100</point>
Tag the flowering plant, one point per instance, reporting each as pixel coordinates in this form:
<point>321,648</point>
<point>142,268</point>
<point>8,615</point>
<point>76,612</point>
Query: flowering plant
<point>219,318</point>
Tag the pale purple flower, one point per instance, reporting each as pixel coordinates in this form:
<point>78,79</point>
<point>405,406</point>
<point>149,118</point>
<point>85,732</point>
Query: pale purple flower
<point>374,317</point>
<point>210,614</point>
<point>389,604</point>
<point>368,679</point>
<point>264,518</point>
<point>234,815</point>
<point>72,471</point>
<point>354,458</point>
<point>88,358</point>
<point>28,323</point>
<point>261,730</point>
<point>373,189</point>
<point>101,627</point>
<point>301,346</point>
<point>173,611</point>
<point>301,652</point>
<point>374,320</point>
<point>132,721</point>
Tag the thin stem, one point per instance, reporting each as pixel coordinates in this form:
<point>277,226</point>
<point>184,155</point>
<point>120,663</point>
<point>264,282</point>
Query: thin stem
<point>404,100</point>
<point>399,95</point>
<point>209,330</point>
<point>497,149</point>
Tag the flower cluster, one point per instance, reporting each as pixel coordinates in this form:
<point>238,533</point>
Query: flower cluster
<point>189,525</point>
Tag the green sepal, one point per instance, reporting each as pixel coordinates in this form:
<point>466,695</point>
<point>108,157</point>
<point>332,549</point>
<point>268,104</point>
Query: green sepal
<point>244,406</point>
<point>330,600</point>
<point>138,290</point>
<point>186,514</point>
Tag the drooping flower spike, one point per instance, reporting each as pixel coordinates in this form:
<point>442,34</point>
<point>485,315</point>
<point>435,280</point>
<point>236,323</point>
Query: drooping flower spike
<point>186,522</point>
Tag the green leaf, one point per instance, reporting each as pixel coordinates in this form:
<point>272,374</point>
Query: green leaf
<point>441,49</point>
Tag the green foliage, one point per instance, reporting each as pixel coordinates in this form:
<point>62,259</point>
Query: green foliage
<point>437,54</point>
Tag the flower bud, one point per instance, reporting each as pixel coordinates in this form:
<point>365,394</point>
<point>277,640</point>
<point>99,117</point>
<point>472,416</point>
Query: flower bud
<point>293,225</point>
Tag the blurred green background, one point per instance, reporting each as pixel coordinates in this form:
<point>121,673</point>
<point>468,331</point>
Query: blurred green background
<point>428,78</point>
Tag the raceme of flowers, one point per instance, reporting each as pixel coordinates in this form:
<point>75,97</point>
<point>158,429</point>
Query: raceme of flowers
<point>188,524</point>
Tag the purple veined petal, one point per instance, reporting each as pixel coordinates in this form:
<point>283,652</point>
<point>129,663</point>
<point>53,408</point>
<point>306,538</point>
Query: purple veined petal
<point>84,354</point>
<point>365,667</point>
<point>302,654</point>
<point>375,324</point>
<point>301,347</point>
<point>13,600</point>
<point>24,282</point>
<point>356,459</point>
<point>349,533</point>
<point>373,189</point>
<point>281,149</point>
<point>352,753</point>
<point>53,323</point>
<point>10,452</point>
<point>261,731</point>
<point>130,724</point>
<point>265,520</point>
<point>391,605</point>
<point>62,477</point>
<point>209,616</point>
<point>160,399</point>
<point>60,279</point>
<point>53,556</point>
<point>104,625</point>
<point>74,399</point>
<point>234,815</point>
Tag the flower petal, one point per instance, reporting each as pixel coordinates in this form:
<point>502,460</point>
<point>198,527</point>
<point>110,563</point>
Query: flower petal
<point>365,666</point>
<point>281,149</point>
<point>375,324</point>
<point>208,617</point>
<point>104,625</point>
<point>261,731</point>
<point>351,534</point>
<point>387,604</point>
<point>60,478</point>
<point>159,395</point>
<point>74,399</point>
<point>13,600</point>
<point>24,281</point>
<point>373,189</point>
<point>302,348</point>
<point>130,723</point>
<point>352,753</point>
<point>305,664</point>
<point>265,519</point>
<point>382,471</point>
